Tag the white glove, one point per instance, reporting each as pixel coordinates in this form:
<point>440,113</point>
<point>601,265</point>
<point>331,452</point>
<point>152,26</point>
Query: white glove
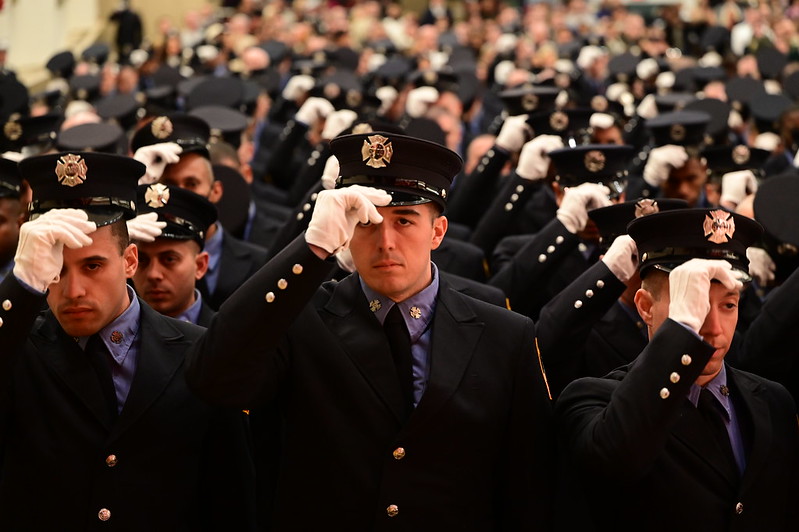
<point>761,267</point>
<point>735,186</point>
<point>155,158</point>
<point>145,227</point>
<point>338,211</point>
<point>601,121</point>
<point>622,258</point>
<point>647,108</point>
<point>330,173</point>
<point>297,86</point>
<point>40,251</point>
<point>534,157</point>
<point>660,162</point>
<point>689,289</point>
<point>344,260</point>
<point>313,110</point>
<point>337,122</point>
<point>514,133</point>
<point>577,201</point>
<point>419,101</point>
<point>387,96</point>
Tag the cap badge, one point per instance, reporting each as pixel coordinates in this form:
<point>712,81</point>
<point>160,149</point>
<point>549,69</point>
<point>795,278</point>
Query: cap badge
<point>415,313</point>
<point>719,226</point>
<point>161,127</point>
<point>529,102</point>
<point>71,170</point>
<point>725,391</point>
<point>599,103</point>
<point>646,206</point>
<point>375,305</point>
<point>740,154</point>
<point>354,98</point>
<point>117,337</point>
<point>12,130</point>
<point>156,195</point>
<point>430,77</point>
<point>377,151</point>
<point>594,161</point>
<point>788,250</point>
<point>677,132</point>
<point>331,91</point>
<point>559,121</point>
<point>360,129</point>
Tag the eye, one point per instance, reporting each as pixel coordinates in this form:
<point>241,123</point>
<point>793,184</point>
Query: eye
<point>92,266</point>
<point>404,221</point>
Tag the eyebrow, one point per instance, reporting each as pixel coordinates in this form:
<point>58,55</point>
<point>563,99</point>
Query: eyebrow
<point>407,212</point>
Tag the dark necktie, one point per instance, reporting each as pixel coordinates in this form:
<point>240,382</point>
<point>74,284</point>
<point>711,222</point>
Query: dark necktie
<point>400,342</point>
<point>712,411</point>
<point>100,360</point>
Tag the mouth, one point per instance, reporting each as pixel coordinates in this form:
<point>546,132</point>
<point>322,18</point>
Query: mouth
<point>386,265</point>
<point>75,312</point>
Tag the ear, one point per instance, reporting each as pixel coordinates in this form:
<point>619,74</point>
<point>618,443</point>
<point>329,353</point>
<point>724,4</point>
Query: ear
<point>131,258</point>
<point>643,302</point>
<point>201,261</point>
<point>217,189</point>
<point>440,225</point>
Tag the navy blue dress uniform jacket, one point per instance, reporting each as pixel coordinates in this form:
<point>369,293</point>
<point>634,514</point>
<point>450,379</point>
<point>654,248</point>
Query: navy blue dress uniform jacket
<point>476,454</point>
<point>239,261</point>
<point>634,442</point>
<point>168,463</point>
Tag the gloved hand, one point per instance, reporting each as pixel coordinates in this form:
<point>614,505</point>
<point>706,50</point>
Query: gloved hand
<point>337,122</point>
<point>297,86</point>
<point>601,121</point>
<point>145,227</point>
<point>577,201</point>
<point>660,162</point>
<point>761,267</point>
<point>344,260</point>
<point>40,251</point>
<point>534,158</point>
<point>387,96</point>
<point>330,173</point>
<point>735,186</point>
<point>419,101</point>
<point>313,110</point>
<point>338,211</point>
<point>647,108</point>
<point>155,157</point>
<point>689,289</point>
<point>514,133</point>
<point>622,258</point>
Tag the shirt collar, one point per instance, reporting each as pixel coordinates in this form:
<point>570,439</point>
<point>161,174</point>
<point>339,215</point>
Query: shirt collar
<point>119,335</point>
<point>417,310</point>
<point>718,387</point>
<point>192,313</point>
<point>213,246</point>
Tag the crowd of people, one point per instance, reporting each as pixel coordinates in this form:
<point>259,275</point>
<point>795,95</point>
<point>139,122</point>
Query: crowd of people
<point>485,266</point>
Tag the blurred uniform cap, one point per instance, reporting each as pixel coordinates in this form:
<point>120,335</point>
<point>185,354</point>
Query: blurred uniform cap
<point>13,97</point>
<point>673,101</point>
<point>122,109</point>
<point>740,91</point>
<point>724,159</point>
<point>593,163</point>
<point>622,67</point>
<point>190,132</point>
<point>9,179</point>
<point>682,128</point>
<point>102,184</point>
<point>612,221</point>
<point>775,208</point>
<point>225,124</point>
<point>97,54</point>
<point>19,132</point>
<point>529,98</point>
<point>770,62</point>
<point>97,137</point>
<point>766,110</point>
<point>566,123</point>
<point>61,64</point>
<point>717,129</point>
<point>226,92</point>
<point>85,87</point>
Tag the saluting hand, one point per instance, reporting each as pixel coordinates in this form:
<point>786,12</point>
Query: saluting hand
<point>689,289</point>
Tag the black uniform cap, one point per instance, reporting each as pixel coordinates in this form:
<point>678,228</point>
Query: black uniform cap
<point>529,98</point>
<point>682,128</point>
<point>9,179</point>
<point>61,64</point>
<point>412,170</point>
<point>719,112</point>
<point>565,123</point>
<point>102,184</point>
<point>187,215</point>
<point>612,221</point>
<point>96,53</point>
<point>85,87</point>
<point>723,159</point>
<point>190,132</point>
<point>673,101</point>
<point>775,208</point>
<point>13,96</point>
<point>226,92</point>
<point>766,110</point>
<point>124,109</point>
<point>593,163</point>
<point>224,123</point>
<point>30,130</point>
<point>106,138</point>
<point>667,239</point>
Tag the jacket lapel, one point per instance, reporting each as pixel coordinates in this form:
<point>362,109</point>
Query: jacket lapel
<point>754,418</point>
<point>161,354</point>
<point>348,316</point>
<point>66,359</point>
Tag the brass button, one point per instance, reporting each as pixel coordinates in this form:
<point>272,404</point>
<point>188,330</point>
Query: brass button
<point>282,284</point>
<point>270,296</point>
<point>559,240</point>
<point>664,393</point>
<point>1,322</point>
<point>104,514</point>
<point>399,453</point>
<point>111,460</point>
<point>674,377</point>
<point>550,249</point>
<point>600,284</point>
<point>6,305</point>
<point>686,360</point>
<point>589,293</point>
<point>509,206</point>
<point>296,269</point>
<point>300,216</point>
<point>578,304</point>
<point>542,258</point>
<point>739,508</point>
<point>392,510</point>
<point>514,198</point>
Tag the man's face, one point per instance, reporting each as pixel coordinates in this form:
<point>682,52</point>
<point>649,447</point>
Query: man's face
<point>10,219</point>
<point>717,329</point>
<point>92,290</point>
<point>393,257</point>
<point>687,182</point>
<point>168,269</point>
<point>193,172</point>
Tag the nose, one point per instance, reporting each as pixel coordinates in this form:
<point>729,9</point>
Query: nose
<point>385,236</point>
<point>712,324</point>
<point>71,286</point>
<point>152,271</point>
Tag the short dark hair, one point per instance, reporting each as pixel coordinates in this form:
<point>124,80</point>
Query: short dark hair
<point>119,230</point>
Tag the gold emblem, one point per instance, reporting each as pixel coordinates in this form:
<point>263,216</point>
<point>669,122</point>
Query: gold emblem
<point>415,313</point>
<point>71,170</point>
<point>645,207</point>
<point>594,161</point>
<point>559,121</point>
<point>740,154</point>
<point>787,249</point>
<point>677,132</point>
<point>724,390</point>
<point>599,103</point>
<point>117,337</point>
<point>331,91</point>
<point>377,151</point>
<point>12,130</point>
<point>375,305</point>
<point>156,195</point>
<point>354,98</point>
<point>562,80</point>
<point>161,127</point>
<point>529,102</point>
<point>719,226</point>
<point>430,77</point>
<point>319,57</point>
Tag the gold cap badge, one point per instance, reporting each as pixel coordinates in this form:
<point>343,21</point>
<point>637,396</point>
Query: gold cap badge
<point>645,207</point>
<point>161,127</point>
<point>71,170</point>
<point>529,102</point>
<point>740,154</point>
<point>377,151</point>
<point>599,103</point>
<point>677,132</point>
<point>12,130</point>
<point>594,161</point>
<point>156,195</point>
<point>719,226</point>
<point>559,121</point>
